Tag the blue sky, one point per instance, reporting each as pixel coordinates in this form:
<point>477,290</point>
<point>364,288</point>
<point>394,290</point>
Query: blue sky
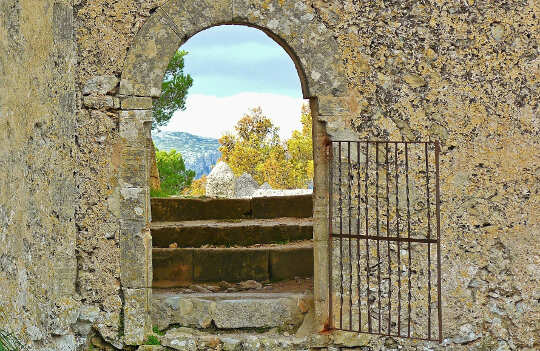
<point>228,60</point>
<point>235,68</point>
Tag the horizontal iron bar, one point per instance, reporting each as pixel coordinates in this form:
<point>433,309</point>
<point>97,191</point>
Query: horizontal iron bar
<point>384,142</point>
<point>391,238</point>
<point>391,335</point>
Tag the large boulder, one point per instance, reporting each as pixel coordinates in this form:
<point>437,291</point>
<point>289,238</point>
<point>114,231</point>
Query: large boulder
<point>245,186</point>
<point>221,181</point>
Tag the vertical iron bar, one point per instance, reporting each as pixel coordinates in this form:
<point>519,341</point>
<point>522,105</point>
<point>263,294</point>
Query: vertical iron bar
<point>358,241</point>
<point>377,222</point>
<point>409,236</point>
<point>398,235</point>
<point>437,205</point>
<point>350,240</point>
<point>429,237</point>
<point>330,233</point>
<point>340,240</point>
<point>367,240</point>
<point>388,235</point>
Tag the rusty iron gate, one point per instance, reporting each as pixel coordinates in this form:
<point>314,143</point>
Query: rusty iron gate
<point>384,238</point>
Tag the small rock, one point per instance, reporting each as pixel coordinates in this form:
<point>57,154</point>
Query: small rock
<point>497,31</point>
<point>199,288</point>
<point>466,334</point>
<point>221,181</point>
<point>245,186</point>
<point>265,186</point>
<point>213,288</point>
<point>250,285</point>
<point>414,80</point>
<point>225,285</point>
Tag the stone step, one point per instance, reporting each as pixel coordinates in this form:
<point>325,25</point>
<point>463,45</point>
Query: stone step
<point>176,209</point>
<point>229,310</point>
<point>245,232</point>
<point>179,267</point>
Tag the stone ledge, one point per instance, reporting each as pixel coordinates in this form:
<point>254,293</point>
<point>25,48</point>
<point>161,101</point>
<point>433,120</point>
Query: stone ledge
<point>230,311</point>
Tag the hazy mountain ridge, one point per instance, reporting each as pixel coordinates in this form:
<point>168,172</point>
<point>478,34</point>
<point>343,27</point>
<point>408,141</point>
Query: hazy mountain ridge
<point>199,153</point>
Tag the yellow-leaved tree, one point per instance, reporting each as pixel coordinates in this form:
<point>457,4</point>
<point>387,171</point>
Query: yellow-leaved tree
<point>255,148</point>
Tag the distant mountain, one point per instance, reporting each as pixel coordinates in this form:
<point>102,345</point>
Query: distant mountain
<point>199,153</point>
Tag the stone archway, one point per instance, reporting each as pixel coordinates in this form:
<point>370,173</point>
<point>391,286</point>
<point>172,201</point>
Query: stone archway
<point>315,53</point>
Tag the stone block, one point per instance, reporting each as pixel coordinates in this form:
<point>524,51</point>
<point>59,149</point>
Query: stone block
<point>135,125</point>
<point>148,57</point>
<point>228,311</point>
<point>137,322</point>
<point>255,313</point>
<point>133,203</point>
<point>101,102</point>
<point>233,265</point>
<point>236,233</point>
<point>207,13</point>
<point>100,85</point>
<point>287,263</point>
<point>174,209</point>
<point>332,106</point>
<point>300,206</point>
<point>133,166</point>
<point>172,267</point>
<point>135,251</point>
<point>136,103</point>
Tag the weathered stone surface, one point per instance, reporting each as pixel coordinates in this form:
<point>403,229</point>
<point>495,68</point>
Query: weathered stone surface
<point>183,209</point>
<point>221,181</point>
<point>172,267</point>
<point>280,192</point>
<point>287,263</point>
<point>248,310</point>
<point>300,206</point>
<point>136,103</point>
<point>100,85</point>
<point>265,186</point>
<point>137,320</point>
<point>244,232</point>
<point>101,102</point>
<point>60,160</point>
<point>245,186</point>
<point>232,264</point>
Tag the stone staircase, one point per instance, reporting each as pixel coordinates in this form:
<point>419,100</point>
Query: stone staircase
<point>203,240</point>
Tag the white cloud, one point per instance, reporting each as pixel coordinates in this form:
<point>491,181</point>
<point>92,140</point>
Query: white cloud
<point>212,116</point>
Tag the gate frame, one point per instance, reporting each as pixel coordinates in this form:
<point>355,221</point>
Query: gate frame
<point>429,241</point>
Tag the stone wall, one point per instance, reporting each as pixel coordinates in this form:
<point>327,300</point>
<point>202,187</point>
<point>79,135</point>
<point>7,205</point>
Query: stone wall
<point>464,73</point>
<point>39,298</point>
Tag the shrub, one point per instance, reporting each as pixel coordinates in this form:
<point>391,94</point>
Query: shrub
<point>172,173</point>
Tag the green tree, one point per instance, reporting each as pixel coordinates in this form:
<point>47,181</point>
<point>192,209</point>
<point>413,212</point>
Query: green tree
<point>172,173</point>
<point>174,90</point>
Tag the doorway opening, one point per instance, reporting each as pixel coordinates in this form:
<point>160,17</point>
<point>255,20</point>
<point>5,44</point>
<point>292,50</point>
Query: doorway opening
<point>236,229</point>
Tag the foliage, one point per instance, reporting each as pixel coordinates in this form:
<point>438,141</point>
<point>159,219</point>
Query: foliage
<point>255,148</point>
<point>152,340</point>
<point>159,193</point>
<point>172,172</point>
<point>174,89</point>
<point>197,188</point>
<point>155,330</point>
<point>8,342</point>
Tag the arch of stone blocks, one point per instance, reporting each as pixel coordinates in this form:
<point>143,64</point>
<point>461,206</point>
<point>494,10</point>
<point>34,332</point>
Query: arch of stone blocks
<point>315,53</point>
